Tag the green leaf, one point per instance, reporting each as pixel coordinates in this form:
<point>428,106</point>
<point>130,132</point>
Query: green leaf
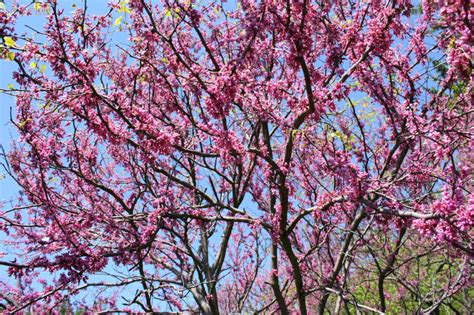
<point>9,42</point>
<point>32,65</point>
<point>10,55</point>
<point>37,6</point>
<point>2,6</point>
<point>10,86</point>
<point>22,124</point>
<point>42,69</point>
<point>118,21</point>
<point>294,132</point>
<point>123,7</point>
<point>47,105</point>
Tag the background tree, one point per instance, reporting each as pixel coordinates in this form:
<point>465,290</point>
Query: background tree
<point>256,156</point>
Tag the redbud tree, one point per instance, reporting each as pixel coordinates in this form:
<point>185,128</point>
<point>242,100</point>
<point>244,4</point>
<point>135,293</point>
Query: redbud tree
<point>254,156</point>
